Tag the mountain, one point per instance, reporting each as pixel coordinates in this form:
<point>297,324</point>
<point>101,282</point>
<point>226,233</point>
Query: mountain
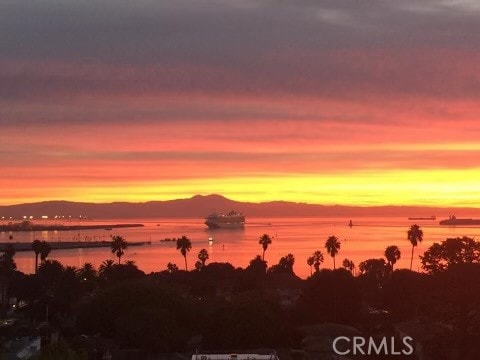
<point>201,206</point>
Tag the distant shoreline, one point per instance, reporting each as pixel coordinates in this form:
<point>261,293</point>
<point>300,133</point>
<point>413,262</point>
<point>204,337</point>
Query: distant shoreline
<point>200,206</point>
<point>37,227</point>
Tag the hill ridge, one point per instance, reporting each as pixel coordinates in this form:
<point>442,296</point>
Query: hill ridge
<point>201,205</point>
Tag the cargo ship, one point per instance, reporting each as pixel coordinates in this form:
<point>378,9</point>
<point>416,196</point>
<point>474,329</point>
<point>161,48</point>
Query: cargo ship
<point>232,220</point>
<point>433,217</point>
<point>452,221</point>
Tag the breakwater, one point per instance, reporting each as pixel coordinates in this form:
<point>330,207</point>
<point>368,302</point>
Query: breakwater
<point>64,245</point>
<point>26,226</point>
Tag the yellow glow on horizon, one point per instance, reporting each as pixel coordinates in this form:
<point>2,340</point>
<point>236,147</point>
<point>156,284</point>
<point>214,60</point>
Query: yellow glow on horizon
<point>456,187</point>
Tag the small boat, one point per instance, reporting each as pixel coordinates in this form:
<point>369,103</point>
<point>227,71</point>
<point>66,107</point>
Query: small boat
<point>108,229</point>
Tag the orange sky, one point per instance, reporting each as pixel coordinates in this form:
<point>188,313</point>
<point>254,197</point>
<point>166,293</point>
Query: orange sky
<point>169,101</point>
<point>411,159</point>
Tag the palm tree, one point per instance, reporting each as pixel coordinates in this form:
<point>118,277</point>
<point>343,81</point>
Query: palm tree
<point>87,271</point>
<point>37,248</point>
<point>203,256</point>
<point>118,245</point>
<point>265,240</point>
<point>71,271</point>
<point>310,262</point>
<point>45,251</point>
<point>415,235</point>
<point>317,260</point>
<point>184,245</point>
<point>392,254</point>
<point>333,246</point>
<point>105,267</point>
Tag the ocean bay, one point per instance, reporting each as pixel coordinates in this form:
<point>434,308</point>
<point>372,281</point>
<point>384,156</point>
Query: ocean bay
<point>368,238</point>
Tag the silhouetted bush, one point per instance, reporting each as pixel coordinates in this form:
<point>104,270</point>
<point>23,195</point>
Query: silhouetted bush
<point>404,293</point>
<point>134,312</point>
<point>252,321</point>
<point>331,295</point>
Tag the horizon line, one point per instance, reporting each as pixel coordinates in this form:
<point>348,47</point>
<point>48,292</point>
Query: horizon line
<point>244,202</point>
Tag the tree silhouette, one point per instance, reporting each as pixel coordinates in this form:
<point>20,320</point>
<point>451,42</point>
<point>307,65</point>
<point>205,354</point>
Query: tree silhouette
<point>265,240</point>
<point>105,268</point>
<point>332,296</point>
<point>50,271</point>
<point>9,251</point>
<point>45,251</point>
<point>284,266</point>
<point>414,235</point>
<point>376,269</point>
<point>392,254</point>
<point>37,248</point>
<point>257,265</point>
<point>118,245</point>
<point>7,270</point>
<point>348,265</point>
<point>333,246</point>
<point>172,268</point>
<point>310,262</point>
<point>71,272</point>
<point>184,245</point>
<point>87,272</point>
<point>317,260</point>
<point>203,256</point>
<point>41,248</point>
<point>453,251</point>
<point>198,265</point>
<point>131,264</point>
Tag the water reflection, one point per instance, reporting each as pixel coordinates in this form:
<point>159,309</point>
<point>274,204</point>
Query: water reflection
<point>368,238</point>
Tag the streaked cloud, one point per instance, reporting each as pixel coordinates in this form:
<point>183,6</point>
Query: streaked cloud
<point>356,101</point>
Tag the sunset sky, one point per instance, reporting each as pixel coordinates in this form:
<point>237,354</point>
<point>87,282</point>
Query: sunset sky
<point>336,102</point>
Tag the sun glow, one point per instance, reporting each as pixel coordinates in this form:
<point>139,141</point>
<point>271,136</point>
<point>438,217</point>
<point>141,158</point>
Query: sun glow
<point>402,187</point>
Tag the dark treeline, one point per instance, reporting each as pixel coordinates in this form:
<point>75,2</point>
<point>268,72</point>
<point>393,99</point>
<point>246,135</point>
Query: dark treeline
<point>119,309</point>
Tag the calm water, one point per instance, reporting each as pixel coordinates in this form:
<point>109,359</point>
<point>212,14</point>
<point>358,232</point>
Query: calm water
<point>299,236</point>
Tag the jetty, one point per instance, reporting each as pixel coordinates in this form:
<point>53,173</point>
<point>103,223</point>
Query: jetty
<point>67,245</point>
<point>28,226</point>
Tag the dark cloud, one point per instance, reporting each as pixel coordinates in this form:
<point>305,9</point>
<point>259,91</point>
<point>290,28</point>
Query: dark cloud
<point>219,32</point>
<point>58,50</point>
